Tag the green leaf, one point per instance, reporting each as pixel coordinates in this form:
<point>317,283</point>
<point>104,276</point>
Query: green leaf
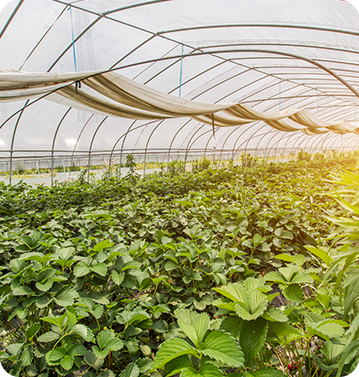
<point>32,331</point>
<point>97,311</point>
<point>78,350</point>
<point>252,338</point>
<point>104,337</point>
<point>56,354</point>
<point>194,325</point>
<point>83,331</point>
<point>132,370</point>
<point>100,353</point>
<point>43,301</point>
<point>23,291</point>
<point>115,344</point>
<point>320,253</point>
<point>293,293</point>
<point>81,269</point>
<point>66,297</point>
<point>67,362</point>
<point>99,268</point>
<point>14,348</point>
<point>332,330</point>
<point>275,276</point>
<point>268,372</point>
<point>146,350</point>
<point>105,244</point>
<point>232,324</point>
<point>44,286</point>
<point>27,356</point>
<point>171,349</point>
<point>207,370</point>
<point>160,326</point>
<point>117,277</point>
<point>347,355</point>
<point>223,347</point>
<point>274,314</point>
<point>248,316</point>
<point>233,291</point>
<point>48,337</point>
<point>176,365</point>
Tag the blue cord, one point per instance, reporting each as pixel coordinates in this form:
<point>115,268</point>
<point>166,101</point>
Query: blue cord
<point>180,83</point>
<point>73,38</point>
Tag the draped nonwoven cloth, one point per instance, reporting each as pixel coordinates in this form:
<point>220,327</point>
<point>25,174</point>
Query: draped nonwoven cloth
<point>113,94</point>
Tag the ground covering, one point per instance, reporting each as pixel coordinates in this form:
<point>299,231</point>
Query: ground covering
<point>237,271</point>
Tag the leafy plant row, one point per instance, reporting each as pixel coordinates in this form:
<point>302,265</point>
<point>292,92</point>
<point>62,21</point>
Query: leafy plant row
<point>223,271</point>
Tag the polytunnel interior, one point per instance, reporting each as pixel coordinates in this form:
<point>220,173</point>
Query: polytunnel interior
<point>265,54</point>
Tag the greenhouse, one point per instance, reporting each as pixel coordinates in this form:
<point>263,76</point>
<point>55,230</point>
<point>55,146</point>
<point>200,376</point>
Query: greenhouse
<point>179,188</point>
<point>90,82</point>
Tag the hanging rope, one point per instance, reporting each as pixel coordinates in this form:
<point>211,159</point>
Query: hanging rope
<point>180,83</point>
<point>73,38</point>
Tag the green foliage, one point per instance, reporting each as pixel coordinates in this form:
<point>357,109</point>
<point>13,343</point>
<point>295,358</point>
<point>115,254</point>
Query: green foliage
<point>214,345</point>
<point>239,267</point>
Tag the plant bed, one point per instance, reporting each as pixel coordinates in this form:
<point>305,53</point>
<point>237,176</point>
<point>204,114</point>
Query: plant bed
<point>147,277</point>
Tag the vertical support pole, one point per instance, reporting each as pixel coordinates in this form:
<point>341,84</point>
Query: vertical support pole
<point>10,172</point>
<point>52,167</point>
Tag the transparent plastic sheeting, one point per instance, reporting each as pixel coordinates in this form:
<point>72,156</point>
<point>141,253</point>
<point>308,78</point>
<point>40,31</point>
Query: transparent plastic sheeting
<point>127,99</point>
<point>268,55</point>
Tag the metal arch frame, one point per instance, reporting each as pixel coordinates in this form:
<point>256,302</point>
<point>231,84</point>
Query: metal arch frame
<point>215,26</point>
<point>290,136</point>
<point>42,38</point>
<point>264,126</point>
<point>280,139</point>
<point>345,142</point>
<point>8,22</point>
<point>254,137</point>
<point>53,144</point>
<point>317,146</point>
<point>115,145</point>
<point>90,149</point>
<point>253,93</point>
<point>323,47</point>
<point>355,140</point>
<point>310,139</point>
<point>334,140</point>
<point>287,135</point>
<point>301,137</point>
<point>234,151</point>
<point>13,140</point>
<point>148,140</point>
<point>172,141</point>
<point>230,133</point>
<point>78,139</point>
<point>286,54</point>
<point>187,148</point>
<point>267,145</point>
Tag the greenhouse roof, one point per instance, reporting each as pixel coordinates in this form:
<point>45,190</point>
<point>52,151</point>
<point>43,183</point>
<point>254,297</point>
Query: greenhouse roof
<point>251,59</point>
